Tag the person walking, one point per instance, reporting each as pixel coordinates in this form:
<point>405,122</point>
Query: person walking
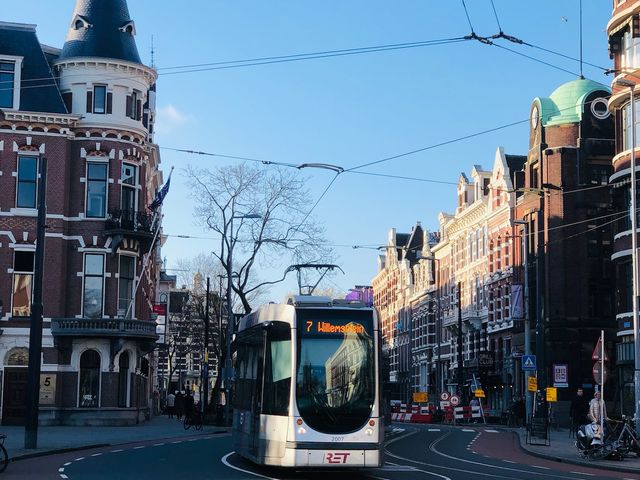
<point>171,405</point>
<point>179,405</point>
<point>188,404</point>
<point>578,410</point>
<point>595,406</point>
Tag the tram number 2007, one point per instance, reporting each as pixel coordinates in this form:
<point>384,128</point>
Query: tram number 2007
<point>337,439</point>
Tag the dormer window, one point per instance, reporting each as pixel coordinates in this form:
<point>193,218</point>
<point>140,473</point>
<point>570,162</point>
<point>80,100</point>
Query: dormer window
<point>10,78</point>
<point>7,81</point>
<point>129,27</point>
<point>79,22</point>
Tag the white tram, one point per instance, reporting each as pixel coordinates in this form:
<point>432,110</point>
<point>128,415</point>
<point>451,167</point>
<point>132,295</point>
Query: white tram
<point>307,388</point>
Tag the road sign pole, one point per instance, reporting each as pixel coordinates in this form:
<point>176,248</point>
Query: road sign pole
<point>602,380</point>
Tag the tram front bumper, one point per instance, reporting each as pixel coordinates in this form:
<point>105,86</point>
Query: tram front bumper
<point>334,457</point>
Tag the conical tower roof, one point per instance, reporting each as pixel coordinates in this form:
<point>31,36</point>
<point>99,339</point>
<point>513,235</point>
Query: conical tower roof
<point>101,28</point>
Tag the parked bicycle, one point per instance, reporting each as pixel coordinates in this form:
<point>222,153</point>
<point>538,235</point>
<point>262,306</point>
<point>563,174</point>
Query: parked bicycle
<point>193,419</point>
<point>4,456</point>
<point>623,436</point>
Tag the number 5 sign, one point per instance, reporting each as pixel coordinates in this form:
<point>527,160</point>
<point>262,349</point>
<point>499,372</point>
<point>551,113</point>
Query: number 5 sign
<point>47,389</point>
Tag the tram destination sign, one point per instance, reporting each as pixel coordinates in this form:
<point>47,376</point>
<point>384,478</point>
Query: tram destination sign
<point>334,326</point>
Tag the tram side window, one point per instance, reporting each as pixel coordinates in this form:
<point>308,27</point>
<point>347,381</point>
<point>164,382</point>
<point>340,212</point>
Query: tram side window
<point>250,355</point>
<point>277,377</point>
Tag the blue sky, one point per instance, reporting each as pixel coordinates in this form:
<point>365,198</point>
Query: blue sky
<point>347,110</point>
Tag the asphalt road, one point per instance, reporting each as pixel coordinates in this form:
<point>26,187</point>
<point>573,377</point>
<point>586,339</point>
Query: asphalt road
<point>412,452</point>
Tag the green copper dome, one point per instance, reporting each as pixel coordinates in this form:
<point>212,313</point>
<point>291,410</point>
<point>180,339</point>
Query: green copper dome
<point>565,104</point>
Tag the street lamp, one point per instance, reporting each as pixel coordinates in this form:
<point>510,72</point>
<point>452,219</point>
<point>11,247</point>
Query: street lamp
<point>623,82</point>
<point>527,319</point>
<point>230,319</point>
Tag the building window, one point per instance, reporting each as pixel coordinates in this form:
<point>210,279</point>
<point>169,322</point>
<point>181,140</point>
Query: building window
<point>128,201</point>
<point>93,285</point>
<point>7,82</point>
<point>89,391</point>
<point>22,283</point>
<point>27,182</point>
<point>100,99</point>
<point>125,285</point>
<point>630,50</point>
<point>96,205</point>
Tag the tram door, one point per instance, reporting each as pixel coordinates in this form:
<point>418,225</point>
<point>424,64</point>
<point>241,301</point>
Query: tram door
<point>257,393</point>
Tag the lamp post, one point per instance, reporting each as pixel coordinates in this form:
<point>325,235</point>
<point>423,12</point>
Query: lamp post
<point>622,82</point>
<point>230,319</point>
<point>527,318</point>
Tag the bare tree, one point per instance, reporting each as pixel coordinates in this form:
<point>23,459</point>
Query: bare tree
<point>280,231</point>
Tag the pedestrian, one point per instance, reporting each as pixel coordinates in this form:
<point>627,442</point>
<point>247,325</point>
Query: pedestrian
<point>594,409</point>
<point>578,410</point>
<point>188,404</point>
<point>179,405</point>
<point>171,405</point>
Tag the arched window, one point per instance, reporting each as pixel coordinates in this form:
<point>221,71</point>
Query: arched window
<point>123,380</point>
<point>89,391</point>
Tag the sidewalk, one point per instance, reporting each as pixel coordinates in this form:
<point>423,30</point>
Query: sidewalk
<point>563,449</point>
<point>54,439</point>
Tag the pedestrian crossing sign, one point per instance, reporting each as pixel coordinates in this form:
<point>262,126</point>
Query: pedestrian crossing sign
<point>529,363</point>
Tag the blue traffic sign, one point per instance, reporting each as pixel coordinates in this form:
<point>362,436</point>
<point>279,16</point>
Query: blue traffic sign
<point>529,363</point>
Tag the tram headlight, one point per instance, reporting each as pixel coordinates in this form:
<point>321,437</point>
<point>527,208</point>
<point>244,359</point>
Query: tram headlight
<point>302,431</point>
<point>369,431</point>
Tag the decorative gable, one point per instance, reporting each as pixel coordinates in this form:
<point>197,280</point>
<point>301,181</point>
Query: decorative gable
<point>79,22</point>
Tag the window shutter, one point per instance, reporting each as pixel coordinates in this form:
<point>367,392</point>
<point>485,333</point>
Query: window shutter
<point>129,108</point>
<point>67,98</point>
<point>89,102</point>
<point>139,110</point>
<point>109,102</point>
<point>635,26</point>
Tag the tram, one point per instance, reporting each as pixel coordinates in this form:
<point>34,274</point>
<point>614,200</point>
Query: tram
<point>307,385</point>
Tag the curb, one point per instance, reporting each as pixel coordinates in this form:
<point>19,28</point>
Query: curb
<point>56,451</point>
<point>615,468</point>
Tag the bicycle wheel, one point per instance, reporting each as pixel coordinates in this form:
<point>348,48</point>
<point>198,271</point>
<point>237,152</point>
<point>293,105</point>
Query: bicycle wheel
<point>4,458</point>
<point>187,422</point>
<point>198,424</point>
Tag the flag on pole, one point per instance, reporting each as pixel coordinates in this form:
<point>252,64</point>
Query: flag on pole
<point>157,202</point>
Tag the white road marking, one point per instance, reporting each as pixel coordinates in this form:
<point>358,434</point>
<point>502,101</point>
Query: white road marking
<point>539,466</point>
<point>492,431</point>
<point>508,461</point>
<point>468,430</point>
<point>473,462</point>
<point>62,475</point>
<point>61,470</point>
<point>226,462</point>
<point>96,454</point>
<point>397,468</point>
<point>584,473</point>
<point>433,430</point>
<point>117,450</point>
<point>177,441</point>
<point>158,444</point>
<point>138,447</point>
<point>193,440</point>
<point>67,464</point>
<point>78,459</point>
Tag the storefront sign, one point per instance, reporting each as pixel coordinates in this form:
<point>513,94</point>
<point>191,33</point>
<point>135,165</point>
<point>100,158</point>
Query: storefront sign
<point>47,389</point>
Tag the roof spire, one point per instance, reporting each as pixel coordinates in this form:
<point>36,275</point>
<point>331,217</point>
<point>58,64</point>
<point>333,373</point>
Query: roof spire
<point>101,28</point>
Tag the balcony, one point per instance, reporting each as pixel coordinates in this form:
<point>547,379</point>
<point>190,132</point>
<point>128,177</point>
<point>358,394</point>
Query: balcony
<point>140,226</point>
<point>104,327</point>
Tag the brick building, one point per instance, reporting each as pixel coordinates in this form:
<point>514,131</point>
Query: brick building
<point>89,109</point>
<point>567,205</point>
<point>624,48</point>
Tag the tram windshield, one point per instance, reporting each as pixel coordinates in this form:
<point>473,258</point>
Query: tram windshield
<point>335,381</point>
